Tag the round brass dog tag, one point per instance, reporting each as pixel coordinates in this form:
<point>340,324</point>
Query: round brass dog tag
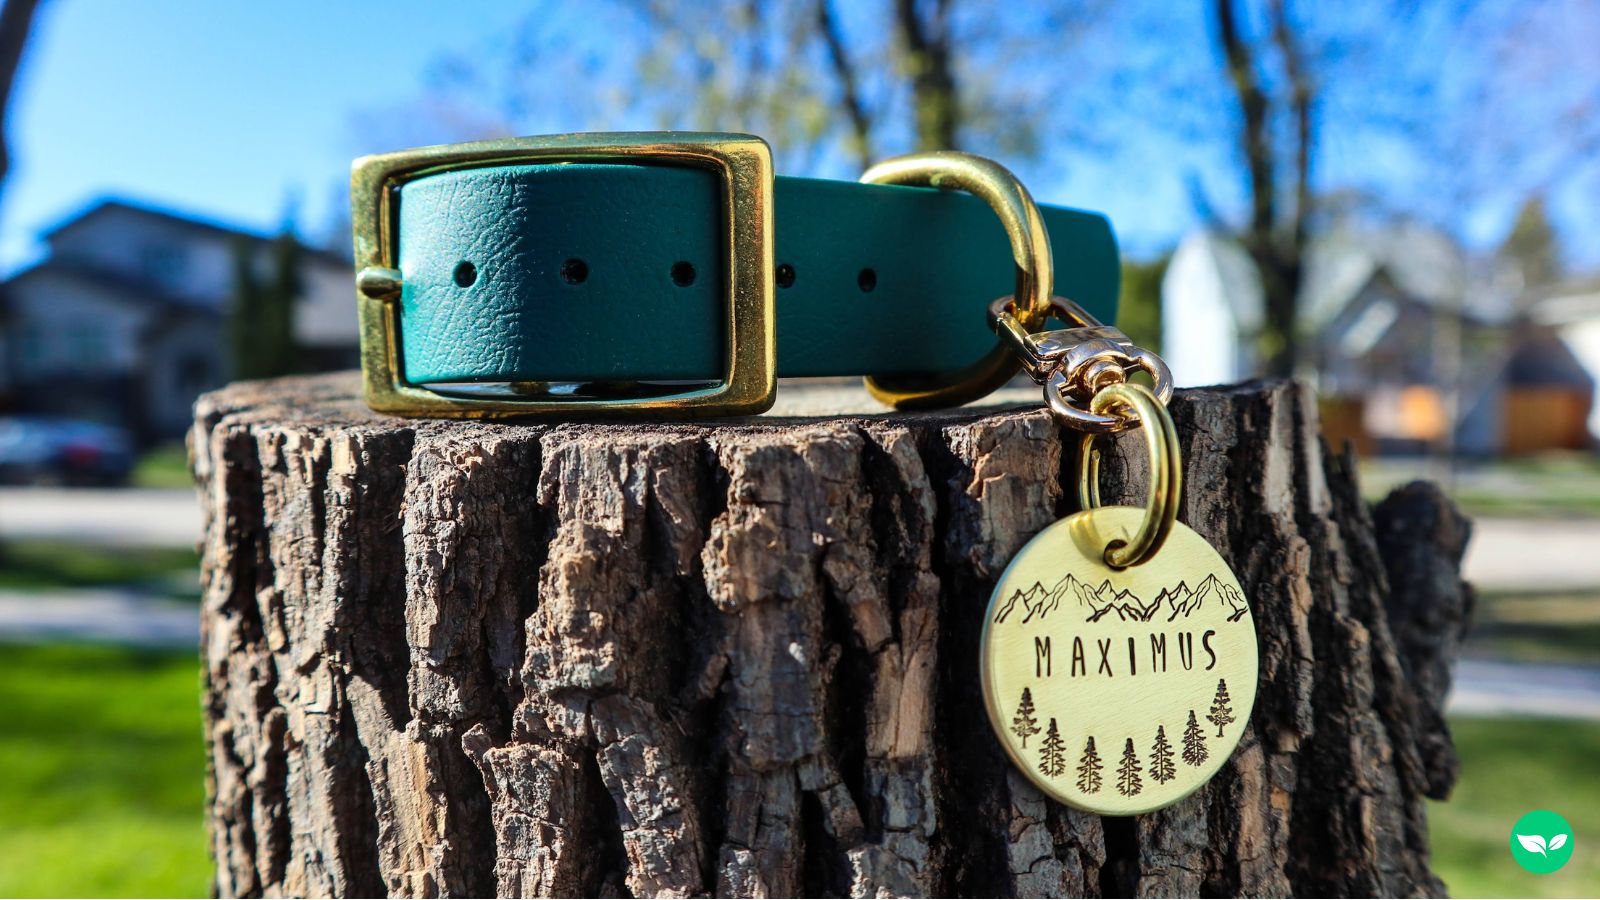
<point>1118,691</point>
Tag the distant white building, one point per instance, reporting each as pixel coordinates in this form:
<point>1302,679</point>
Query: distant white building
<point>1573,313</point>
<point>1408,341</point>
<point>125,320</point>
<point>1210,306</point>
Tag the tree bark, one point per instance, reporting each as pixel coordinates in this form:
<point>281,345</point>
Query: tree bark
<point>464,658</point>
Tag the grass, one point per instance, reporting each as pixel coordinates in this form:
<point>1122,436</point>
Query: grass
<point>37,564</point>
<point>1509,767</point>
<point>1548,627</point>
<point>103,760</point>
<point>1548,486</point>
<point>103,764</point>
<point>166,466</point>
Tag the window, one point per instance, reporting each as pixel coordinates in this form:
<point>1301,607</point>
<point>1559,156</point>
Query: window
<point>194,375</point>
<point>32,349</point>
<point>89,345</point>
<point>163,264</point>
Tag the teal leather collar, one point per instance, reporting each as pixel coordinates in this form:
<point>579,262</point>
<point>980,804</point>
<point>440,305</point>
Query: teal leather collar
<point>614,272</point>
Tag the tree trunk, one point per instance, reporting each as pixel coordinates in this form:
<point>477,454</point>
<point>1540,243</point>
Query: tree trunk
<point>461,658</point>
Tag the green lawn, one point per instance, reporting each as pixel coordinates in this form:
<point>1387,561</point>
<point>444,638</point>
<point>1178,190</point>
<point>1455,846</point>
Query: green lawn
<point>1559,627</point>
<point>38,564</point>
<point>166,466</point>
<point>103,787</point>
<point>1509,767</point>
<point>104,766</point>
<point>1548,486</point>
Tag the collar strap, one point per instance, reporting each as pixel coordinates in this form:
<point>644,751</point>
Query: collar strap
<point>614,272</point>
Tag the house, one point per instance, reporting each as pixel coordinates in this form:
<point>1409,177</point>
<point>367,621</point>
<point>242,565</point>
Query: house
<point>1571,314</point>
<point>1411,343</point>
<point>125,320</point>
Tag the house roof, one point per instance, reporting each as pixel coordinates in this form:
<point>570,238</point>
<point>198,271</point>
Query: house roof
<point>139,291</point>
<point>1419,262</point>
<point>1565,304</point>
<point>199,224</point>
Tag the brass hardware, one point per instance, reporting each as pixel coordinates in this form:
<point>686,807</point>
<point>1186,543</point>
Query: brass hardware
<point>379,283</point>
<point>1030,247</point>
<point>744,165</point>
<point>1135,404</point>
<point>1075,363</point>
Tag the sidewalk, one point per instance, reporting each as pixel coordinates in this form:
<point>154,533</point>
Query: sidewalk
<point>1489,688</point>
<point>1534,555</point>
<point>129,517</point>
<point>1505,555</point>
<point>1498,558</point>
<point>1483,688</point>
<point>99,616</point>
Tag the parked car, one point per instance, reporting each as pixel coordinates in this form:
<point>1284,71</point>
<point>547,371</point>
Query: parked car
<point>46,450</point>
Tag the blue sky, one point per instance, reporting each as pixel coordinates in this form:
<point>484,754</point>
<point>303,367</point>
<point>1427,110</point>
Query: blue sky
<point>235,111</point>
<point>227,110</point>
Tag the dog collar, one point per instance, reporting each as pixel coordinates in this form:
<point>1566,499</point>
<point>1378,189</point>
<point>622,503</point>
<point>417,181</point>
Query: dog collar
<point>674,275</point>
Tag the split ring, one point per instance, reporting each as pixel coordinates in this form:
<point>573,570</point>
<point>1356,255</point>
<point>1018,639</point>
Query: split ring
<point>1135,404</point>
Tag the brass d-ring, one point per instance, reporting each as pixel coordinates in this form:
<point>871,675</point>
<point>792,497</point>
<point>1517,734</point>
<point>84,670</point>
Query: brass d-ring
<point>1135,403</point>
<point>1030,247</point>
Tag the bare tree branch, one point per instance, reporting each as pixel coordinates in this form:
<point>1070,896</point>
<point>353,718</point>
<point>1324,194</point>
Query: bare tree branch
<point>1252,99</point>
<point>933,81</point>
<point>849,83</point>
<point>16,20</point>
<point>1276,242</point>
<point>1200,198</point>
<point>1300,95</point>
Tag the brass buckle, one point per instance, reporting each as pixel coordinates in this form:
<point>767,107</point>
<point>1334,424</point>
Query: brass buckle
<point>744,164</point>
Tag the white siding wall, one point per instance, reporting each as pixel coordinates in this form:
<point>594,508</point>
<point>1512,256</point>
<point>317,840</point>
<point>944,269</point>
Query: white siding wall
<point>1583,339</point>
<point>193,263</point>
<point>1199,336</point>
<point>326,313</point>
<point>67,327</point>
<point>198,264</point>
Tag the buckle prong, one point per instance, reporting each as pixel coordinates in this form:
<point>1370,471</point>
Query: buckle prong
<point>379,282</point>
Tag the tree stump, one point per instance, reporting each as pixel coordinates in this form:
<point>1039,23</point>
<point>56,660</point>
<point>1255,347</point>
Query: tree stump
<point>465,658</point>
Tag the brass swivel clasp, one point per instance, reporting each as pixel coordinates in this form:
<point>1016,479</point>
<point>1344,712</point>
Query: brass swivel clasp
<point>1074,364</point>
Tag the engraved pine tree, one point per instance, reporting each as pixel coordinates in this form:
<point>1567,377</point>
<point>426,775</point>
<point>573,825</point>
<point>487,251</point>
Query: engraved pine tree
<point>1128,782</point>
<point>1161,768</point>
<point>1052,756</point>
<point>1089,769</point>
<point>1024,724</point>
<point>1221,713</point>
<point>1194,742</point>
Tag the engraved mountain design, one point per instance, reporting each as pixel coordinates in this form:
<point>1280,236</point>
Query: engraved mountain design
<point>1039,602</point>
<point>1185,600</point>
